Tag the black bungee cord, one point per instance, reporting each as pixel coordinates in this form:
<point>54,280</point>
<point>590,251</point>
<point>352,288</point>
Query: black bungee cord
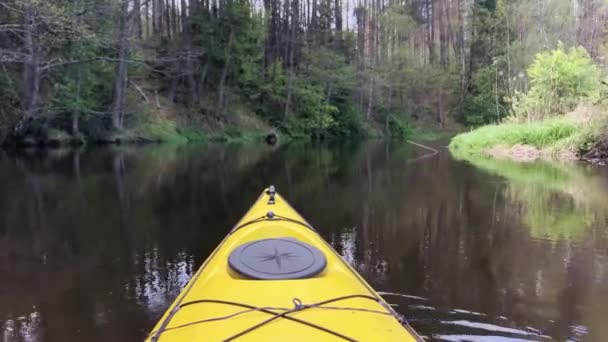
<point>298,306</point>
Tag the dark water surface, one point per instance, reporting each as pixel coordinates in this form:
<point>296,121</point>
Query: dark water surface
<point>95,244</point>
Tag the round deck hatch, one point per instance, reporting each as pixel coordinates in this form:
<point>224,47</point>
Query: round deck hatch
<point>275,259</point>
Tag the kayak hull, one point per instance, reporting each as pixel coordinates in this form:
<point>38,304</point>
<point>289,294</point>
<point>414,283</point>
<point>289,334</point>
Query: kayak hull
<point>220,304</point>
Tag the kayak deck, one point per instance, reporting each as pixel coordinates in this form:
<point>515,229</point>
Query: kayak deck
<point>219,304</point>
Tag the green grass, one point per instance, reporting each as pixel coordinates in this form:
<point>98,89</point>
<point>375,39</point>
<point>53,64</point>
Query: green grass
<point>161,130</point>
<point>552,133</point>
<point>167,131</point>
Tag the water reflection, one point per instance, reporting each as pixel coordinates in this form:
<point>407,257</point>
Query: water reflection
<point>96,243</point>
<point>556,201</point>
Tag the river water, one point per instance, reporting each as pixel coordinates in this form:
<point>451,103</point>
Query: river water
<point>96,243</point>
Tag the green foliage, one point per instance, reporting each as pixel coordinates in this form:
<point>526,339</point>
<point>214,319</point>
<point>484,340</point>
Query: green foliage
<point>161,130</point>
<point>405,88</point>
<point>399,18</point>
<point>480,106</point>
<point>543,134</point>
<point>560,79</point>
<point>312,115</point>
<point>398,126</point>
<point>320,99</point>
<point>347,122</point>
<point>9,103</point>
<point>308,77</point>
<point>83,88</point>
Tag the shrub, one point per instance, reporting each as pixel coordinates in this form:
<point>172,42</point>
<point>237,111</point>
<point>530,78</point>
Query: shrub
<point>480,106</point>
<point>560,79</point>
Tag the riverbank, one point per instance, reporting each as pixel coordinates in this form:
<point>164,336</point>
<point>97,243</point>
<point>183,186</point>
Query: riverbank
<point>159,123</point>
<point>576,136</point>
<point>166,122</point>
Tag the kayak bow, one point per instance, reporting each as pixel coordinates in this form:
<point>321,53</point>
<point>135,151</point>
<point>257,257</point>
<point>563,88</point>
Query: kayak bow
<point>273,278</point>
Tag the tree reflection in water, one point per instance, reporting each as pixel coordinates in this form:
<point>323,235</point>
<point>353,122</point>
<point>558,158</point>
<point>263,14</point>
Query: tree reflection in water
<point>96,243</point>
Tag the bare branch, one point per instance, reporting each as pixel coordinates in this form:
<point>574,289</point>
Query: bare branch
<point>10,56</point>
<point>11,27</point>
<point>10,7</point>
<point>141,92</point>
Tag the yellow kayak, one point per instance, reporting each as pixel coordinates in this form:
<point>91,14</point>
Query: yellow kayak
<point>273,278</point>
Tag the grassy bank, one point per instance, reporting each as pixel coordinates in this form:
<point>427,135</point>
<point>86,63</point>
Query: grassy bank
<point>542,135</point>
<point>563,137</point>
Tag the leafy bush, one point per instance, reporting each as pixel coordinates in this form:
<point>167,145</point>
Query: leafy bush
<point>347,122</point>
<point>311,114</point>
<point>479,108</point>
<point>398,127</point>
<point>560,79</point>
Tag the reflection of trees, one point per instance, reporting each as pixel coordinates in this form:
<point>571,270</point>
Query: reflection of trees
<point>123,229</point>
<point>105,238</point>
<point>555,278</point>
<point>445,230</point>
<point>556,201</point>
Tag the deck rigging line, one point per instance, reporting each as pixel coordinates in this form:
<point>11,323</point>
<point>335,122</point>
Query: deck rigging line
<point>298,306</point>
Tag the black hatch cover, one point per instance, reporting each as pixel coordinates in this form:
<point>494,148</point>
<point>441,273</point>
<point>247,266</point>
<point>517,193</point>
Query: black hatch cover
<point>276,259</point>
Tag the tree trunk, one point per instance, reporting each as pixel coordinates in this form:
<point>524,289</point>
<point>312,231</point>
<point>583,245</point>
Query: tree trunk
<point>286,34</point>
<point>370,99</point>
<point>338,20</point>
<point>31,69</point>
<point>120,81</point>
<point>160,20</point>
<point>268,43</point>
<point>443,34</point>
<point>441,116</point>
<point>313,17</point>
<point>222,85</point>
<point>76,114</point>
<point>173,85</point>
<point>201,82</point>
<point>291,60</point>
<point>147,18</point>
<point>462,39</point>
<point>430,40</point>
<point>154,15</point>
<point>174,20</point>
<point>168,18</point>
<point>507,15</point>
<point>192,99</point>
<point>289,91</point>
<point>137,15</point>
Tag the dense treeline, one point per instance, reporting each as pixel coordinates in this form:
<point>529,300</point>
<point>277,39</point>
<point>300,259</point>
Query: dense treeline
<point>306,67</point>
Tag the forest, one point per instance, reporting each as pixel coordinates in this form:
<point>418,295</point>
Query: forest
<point>77,71</point>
